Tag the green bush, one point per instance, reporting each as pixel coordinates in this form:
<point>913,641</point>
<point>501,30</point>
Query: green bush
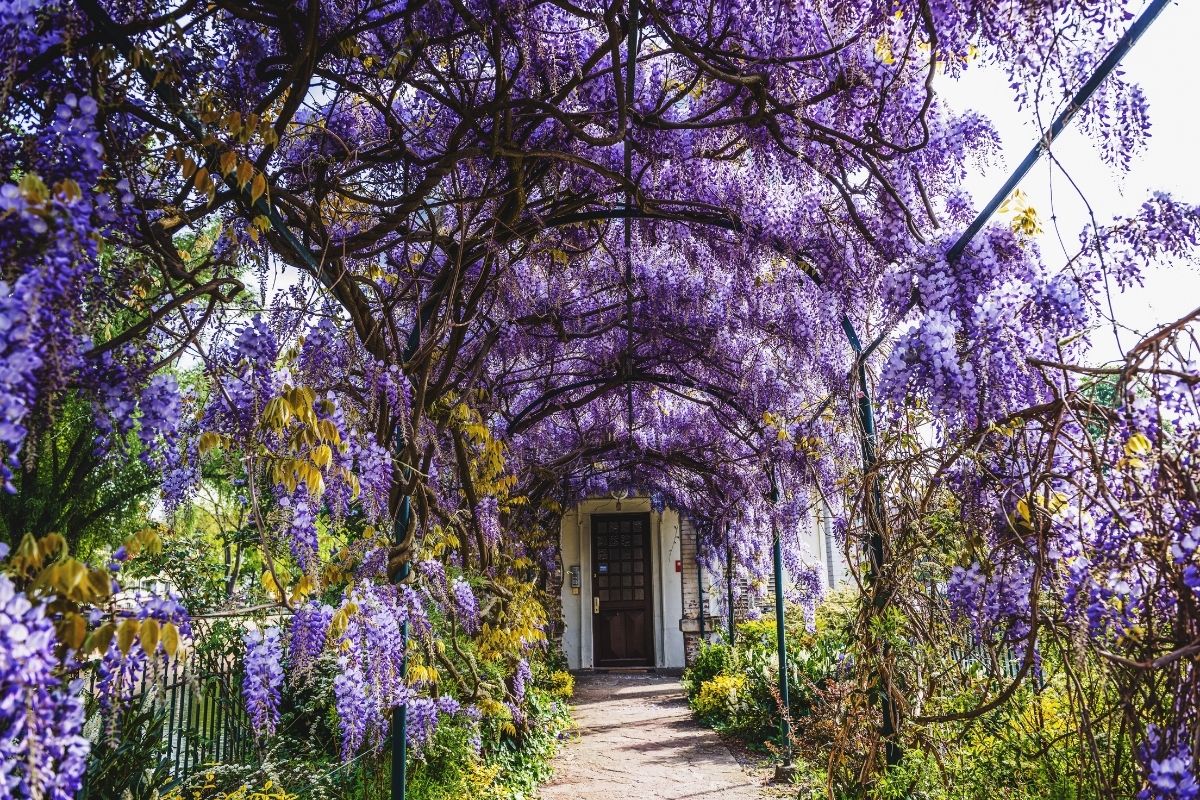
<point>721,700</point>
<point>1031,747</point>
<point>712,660</point>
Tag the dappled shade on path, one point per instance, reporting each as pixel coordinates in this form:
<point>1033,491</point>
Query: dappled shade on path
<point>635,738</point>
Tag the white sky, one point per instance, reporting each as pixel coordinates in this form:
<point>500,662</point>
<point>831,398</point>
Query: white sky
<point>1163,62</point>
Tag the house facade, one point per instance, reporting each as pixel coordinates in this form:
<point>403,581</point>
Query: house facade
<point>633,594</point>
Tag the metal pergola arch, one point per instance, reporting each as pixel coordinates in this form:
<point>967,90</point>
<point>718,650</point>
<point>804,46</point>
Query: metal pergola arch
<point>405,521</point>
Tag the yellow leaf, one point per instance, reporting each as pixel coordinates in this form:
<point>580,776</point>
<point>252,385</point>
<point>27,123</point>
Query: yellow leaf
<point>149,634</point>
<point>228,162</point>
<point>258,188</point>
<point>100,584</point>
<point>302,589</point>
<point>33,188</point>
<point>170,638</point>
<point>245,171</point>
<point>52,544</point>
<point>99,639</point>
<point>322,456</point>
<point>208,441</point>
<point>268,582</point>
<point>72,629</point>
<point>1138,445</point>
<point>126,634</point>
<point>150,540</point>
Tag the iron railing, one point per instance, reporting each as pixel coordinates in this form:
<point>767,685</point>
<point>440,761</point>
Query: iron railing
<point>196,704</point>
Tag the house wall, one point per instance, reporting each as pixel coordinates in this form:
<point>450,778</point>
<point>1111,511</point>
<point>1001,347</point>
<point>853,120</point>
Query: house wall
<point>698,592</point>
<point>678,596</point>
<point>667,593</point>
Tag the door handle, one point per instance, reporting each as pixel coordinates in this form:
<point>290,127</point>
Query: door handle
<point>596,605</point>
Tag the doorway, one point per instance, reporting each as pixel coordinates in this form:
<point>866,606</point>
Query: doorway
<point>622,592</point>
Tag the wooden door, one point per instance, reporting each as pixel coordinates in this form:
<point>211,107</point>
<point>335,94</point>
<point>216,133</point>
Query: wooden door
<point>622,608</point>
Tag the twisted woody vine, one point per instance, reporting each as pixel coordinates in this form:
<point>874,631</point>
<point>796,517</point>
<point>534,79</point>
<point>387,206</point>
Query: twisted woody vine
<point>358,296</point>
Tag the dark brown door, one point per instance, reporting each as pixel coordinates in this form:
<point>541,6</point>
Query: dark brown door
<point>622,618</point>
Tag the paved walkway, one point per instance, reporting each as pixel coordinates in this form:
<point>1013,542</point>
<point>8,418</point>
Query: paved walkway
<point>636,740</point>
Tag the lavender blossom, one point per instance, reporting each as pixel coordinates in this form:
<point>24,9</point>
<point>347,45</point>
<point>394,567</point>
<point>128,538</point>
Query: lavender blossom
<point>264,677</point>
<point>43,753</point>
<point>466,608</point>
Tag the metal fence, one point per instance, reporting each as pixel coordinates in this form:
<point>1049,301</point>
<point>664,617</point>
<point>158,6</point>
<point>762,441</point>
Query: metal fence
<point>190,712</point>
<point>205,721</point>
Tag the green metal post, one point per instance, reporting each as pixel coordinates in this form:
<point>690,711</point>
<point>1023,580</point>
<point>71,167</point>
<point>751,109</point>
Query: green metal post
<point>729,585</point>
<point>400,732</point>
<point>700,586</point>
<point>784,770</point>
<point>875,548</point>
<point>400,713</point>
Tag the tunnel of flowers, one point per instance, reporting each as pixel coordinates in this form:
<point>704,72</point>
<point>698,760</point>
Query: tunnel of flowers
<point>317,316</point>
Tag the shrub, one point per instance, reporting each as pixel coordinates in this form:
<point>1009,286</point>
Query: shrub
<point>721,698</point>
<point>209,791</point>
<point>561,684</point>
<point>712,660</point>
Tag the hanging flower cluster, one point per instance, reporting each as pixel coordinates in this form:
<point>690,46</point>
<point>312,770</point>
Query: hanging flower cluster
<point>263,679</point>
<point>43,752</point>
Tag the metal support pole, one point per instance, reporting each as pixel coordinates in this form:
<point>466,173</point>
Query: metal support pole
<point>400,712</point>
<point>783,772</point>
<point>873,511</point>
<point>700,586</point>
<point>400,732</point>
<point>1110,62</point>
<point>729,586</point>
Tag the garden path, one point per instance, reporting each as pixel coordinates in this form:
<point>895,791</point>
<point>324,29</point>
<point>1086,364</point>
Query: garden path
<point>635,739</point>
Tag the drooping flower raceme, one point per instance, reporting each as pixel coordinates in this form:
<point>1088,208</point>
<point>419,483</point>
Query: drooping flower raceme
<point>371,675</point>
<point>1169,773</point>
<point>310,629</point>
<point>465,605</point>
<point>43,753</point>
<point>264,677</point>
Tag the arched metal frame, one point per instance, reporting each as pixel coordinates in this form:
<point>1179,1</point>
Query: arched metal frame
<point>264,207</point>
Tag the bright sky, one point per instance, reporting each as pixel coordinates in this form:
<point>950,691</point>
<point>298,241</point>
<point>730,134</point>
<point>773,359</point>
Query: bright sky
<point>1163,62</point>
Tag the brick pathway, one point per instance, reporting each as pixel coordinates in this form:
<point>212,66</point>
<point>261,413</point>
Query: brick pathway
<point>636,740</point>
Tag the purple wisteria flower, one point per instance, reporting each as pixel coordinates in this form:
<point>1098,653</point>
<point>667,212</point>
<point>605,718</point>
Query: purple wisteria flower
<point>263,679</point>
<point>466,607</point>
<point>1169,773</point>
<point>520,680</point>
<point>488,514</point>
<point>43,753</point>
<point>308,635</point>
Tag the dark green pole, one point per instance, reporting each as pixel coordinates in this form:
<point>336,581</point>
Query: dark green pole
<point>729,584</point>
<point>782,771</point>
<point>400,712</point>
<point>876,552</point>
<point>700,585</point>
<point>400,732</point>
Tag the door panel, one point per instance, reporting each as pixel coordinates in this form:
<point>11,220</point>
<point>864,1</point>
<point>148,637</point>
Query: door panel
<point>622,620</point>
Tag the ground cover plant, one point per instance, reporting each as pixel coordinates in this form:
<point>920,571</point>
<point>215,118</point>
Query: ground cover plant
<point>346,302</point>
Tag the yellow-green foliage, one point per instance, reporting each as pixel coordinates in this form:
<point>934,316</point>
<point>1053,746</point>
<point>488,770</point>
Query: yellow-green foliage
<point>720,696</point>
<point>521,621</point>
<point>209,791</point>
<point>562,684</point>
